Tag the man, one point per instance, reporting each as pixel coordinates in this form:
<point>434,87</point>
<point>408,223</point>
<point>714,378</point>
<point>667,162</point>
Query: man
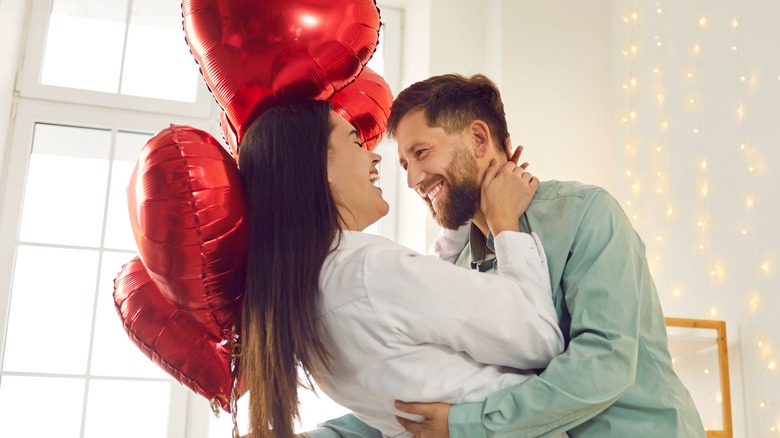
<point>615,378</point>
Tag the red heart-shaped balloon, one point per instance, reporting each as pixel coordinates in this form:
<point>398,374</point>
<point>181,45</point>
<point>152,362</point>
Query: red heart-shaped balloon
<point>254,53</point>
<point>365,103</point>
<point>170,338</point>
<point>188,214</point>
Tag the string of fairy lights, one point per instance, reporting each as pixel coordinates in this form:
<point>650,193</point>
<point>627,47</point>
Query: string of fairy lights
<point>767,357</point>
<point>643,205</point>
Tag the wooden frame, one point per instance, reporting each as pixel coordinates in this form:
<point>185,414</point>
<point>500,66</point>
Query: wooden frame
<point>723,364</point>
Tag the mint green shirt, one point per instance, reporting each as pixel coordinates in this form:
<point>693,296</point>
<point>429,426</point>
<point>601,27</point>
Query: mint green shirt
<point>615,378</point>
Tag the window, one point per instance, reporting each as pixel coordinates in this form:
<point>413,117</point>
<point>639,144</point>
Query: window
<point>87,102</point>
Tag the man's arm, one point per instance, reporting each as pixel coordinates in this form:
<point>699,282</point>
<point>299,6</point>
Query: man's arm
<point>347,426</point>
<point>603,280</point>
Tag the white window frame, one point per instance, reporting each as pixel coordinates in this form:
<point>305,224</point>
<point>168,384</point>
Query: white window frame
<point>29,80</point>
<point>38,103</point>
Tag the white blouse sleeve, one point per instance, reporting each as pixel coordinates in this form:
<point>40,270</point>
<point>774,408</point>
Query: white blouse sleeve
<point>450,243</point>
<point>506,319</point>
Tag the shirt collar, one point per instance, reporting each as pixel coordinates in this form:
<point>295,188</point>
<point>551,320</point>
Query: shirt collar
<point>481,251</point>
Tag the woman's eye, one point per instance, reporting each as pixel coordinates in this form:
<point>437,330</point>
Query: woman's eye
<point>360,145</point>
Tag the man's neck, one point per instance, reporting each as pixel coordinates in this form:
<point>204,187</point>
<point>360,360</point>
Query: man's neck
<point>481,222</point>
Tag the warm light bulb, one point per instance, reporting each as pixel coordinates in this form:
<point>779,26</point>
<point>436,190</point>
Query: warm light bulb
<point>691,101</point>
<point>659,238</point>
<point>658,149</point>
<point>750,169</point>
<point>765,266</point>
<point>703,21</point>
<point>633,49</point>
<point>676,292</point>
<point>742,78</point>
<point>669,212</point>
<point>634,16</point>
<point>628,203</point>
<point>628,173</point>
<point>734,23</point>
<point>705,190</point>
<point>718,398</point>
<point>695,130</point>
<point>706,371</point>
<point>713,312</point>
<point>761,405</point>
<point>665,125</point>
<point>749,202</point>
<point>659,10</point>
<point>733,48</point>
<point>696,48</point>
<point>742,146</point>
<point>701,246</point>
<point>704,164</point>
<point>771,365</point>
<point>659,190</point>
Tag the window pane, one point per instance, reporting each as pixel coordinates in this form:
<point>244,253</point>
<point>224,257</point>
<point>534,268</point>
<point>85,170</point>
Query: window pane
<point>114,354</point>
<point>127,409</point>
<point>84,44</point>
<point>377,62</point>
<point>41,407</point>
<point>66,186</point>
<point>51,310</point>
<point>119,234</point>
<point>158,62</point>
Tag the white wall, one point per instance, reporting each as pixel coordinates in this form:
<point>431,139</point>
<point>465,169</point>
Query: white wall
<point>556,81</point>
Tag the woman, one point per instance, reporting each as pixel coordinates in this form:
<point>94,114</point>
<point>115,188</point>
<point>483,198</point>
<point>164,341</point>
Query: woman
<point>369,320</point>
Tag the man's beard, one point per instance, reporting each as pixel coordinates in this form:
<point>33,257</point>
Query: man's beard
<point>463,192</point>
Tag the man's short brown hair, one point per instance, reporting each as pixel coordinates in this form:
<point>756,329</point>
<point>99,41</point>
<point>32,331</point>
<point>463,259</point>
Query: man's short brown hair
<point>452,102</point>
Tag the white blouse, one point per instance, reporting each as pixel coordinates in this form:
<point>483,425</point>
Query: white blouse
<point>400,325</point>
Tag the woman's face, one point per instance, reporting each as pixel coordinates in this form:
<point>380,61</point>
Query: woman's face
<point>352,175</point>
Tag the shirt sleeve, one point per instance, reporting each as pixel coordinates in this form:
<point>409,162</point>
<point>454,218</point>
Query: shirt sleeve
<point>506,319</point>
<point>603,280</point>
<point>347,426</point>
<point>450,243</point>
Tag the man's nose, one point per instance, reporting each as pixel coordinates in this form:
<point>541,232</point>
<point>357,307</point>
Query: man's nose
<point>414,176</point>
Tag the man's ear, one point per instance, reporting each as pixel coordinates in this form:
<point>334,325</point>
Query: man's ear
<point>480,135</point>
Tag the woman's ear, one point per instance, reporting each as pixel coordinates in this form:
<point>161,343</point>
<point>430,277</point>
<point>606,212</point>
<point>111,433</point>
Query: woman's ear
<point>480,135</point>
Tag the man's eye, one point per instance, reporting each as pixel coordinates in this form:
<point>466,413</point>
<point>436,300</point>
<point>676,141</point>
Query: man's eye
<point>419,152</point>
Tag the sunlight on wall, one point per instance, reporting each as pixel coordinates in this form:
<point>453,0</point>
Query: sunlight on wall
<point>699,105</point>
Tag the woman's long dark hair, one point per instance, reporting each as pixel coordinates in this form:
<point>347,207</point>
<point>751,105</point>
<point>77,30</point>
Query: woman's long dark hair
<point>293,222</point>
